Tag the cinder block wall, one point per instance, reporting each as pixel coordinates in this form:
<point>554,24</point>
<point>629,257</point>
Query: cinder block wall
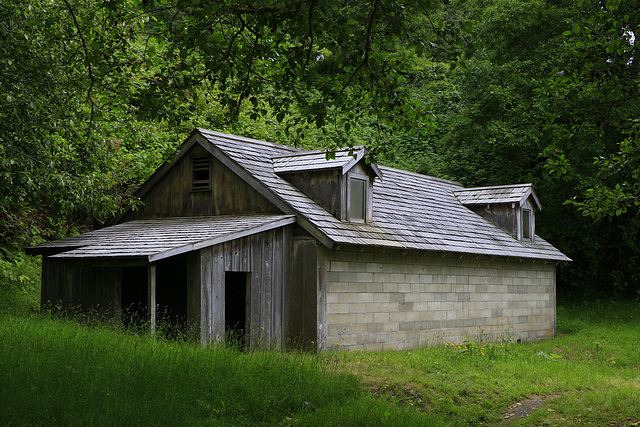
<point>402,299</point>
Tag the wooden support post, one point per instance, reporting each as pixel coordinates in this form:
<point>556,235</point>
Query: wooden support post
<point>151,296</point>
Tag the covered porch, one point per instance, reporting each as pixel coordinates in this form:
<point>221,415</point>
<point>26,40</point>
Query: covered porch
<point>211,275</point>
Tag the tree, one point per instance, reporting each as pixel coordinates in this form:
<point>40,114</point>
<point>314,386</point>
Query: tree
<point>64,129</point>
<point>598,119</point>
<point>535,100</point>
<point>312,63</point>
<point>86,86</point>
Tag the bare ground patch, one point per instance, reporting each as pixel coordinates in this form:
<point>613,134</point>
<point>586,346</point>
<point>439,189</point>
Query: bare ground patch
<point>527,406</point>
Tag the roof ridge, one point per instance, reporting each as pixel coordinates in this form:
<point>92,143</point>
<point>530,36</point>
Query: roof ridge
<point>496,187</point>
<point>423,176</point>
<point>248,140</point>
<point>320,151</point>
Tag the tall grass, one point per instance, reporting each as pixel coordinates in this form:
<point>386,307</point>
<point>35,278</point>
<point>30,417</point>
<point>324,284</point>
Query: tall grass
<point>56,371</point>
<point>59,372</point>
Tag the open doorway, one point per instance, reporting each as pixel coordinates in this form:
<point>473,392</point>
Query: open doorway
<point>236,285</point>
<point>171,296</point>
<point>134,295</point>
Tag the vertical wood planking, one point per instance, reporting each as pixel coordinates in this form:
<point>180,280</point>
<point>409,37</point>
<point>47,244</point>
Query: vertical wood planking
<point>285,284</point>
<point>87,293</point>
<point>60,277</point>
<point>151,295</point>
<point>218,293</point>
<point>267,285</point>
<point>277,284</point>
<point>245,254</point>
<point>45,283</point>
<point>229,190</point>
<point>302,301</point>
<point>321,306</point>
<point>228,255</point>
<point>194,293</point>
<point>206,287</point>
<point>68,283</point>
<point>256,290</point>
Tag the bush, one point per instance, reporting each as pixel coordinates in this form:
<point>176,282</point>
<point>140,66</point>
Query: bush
<point>20,284</point>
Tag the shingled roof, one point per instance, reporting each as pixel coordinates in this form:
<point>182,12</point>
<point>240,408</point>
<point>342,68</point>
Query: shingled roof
<point>410,211</point>
<point>499,194</point>
<point>343,159</point>
<point>158,238</point>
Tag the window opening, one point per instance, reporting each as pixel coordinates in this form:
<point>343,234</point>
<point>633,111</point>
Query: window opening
<point>201,178</point>
<point>357,201</point>
<point>526,224</point>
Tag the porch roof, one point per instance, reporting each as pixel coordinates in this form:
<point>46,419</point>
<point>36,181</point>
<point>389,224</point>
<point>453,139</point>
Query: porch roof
<point>159,238</point>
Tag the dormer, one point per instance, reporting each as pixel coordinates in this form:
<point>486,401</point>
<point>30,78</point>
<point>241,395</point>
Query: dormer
<point>510,207</point>
<point>341,181</point>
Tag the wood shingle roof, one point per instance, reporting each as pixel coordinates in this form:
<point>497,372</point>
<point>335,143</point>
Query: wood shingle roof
<point>158,238</point>
<point>317,160</point>
<point>498,194</point>
<point>410,211</point>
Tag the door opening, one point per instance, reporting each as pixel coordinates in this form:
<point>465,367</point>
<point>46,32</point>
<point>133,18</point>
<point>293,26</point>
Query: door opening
<point>134,296</point>
<point>236,313</point>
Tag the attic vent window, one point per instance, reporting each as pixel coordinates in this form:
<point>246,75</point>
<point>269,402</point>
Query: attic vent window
<point>201,175</point>
<point>526,224</point>
<point>357,199</point>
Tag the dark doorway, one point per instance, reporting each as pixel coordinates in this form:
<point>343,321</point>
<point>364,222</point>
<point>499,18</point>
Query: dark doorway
<point>171,296</point>
<point>134,295</point>
<point>235,306</point>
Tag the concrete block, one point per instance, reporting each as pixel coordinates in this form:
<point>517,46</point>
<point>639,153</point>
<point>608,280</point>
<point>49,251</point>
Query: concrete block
<point>364,277</point>
<point>374,287</point>
<point>339,266</point>
<point>390,326</point>
<point>381,317</point>
<point>396,297</point>
<point>405,307</point>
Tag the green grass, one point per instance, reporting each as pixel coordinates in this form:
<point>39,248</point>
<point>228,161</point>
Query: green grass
<point>60,372</point>
<point>593,367</point>
<point>56,371</point>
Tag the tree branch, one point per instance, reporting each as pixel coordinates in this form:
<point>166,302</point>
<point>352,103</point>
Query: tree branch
<point>89,68</point>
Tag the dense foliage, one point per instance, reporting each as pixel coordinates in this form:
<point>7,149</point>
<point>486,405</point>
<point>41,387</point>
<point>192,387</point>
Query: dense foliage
<point>95,95</point>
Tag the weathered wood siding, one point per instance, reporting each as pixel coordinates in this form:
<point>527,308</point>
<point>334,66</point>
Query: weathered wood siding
<point>503,215</point>
<point>325,187</point>
<point>172,195</point>
<point>304,302</point>
<point>265,257</point>
<point>80,286</point>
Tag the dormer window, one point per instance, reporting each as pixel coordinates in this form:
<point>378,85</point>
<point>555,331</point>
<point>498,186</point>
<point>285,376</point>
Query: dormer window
<point>341,183</point>
<point>357,199</point>
<point>201,174</point>
<point>510,207</point>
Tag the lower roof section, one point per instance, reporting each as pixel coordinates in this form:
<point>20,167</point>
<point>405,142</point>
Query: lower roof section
<point>158,238</point>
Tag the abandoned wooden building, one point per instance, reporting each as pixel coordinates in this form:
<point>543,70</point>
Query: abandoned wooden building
<point>289,246</point>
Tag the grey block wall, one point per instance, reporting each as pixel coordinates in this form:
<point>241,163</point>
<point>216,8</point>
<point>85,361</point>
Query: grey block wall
<point>402,299</point>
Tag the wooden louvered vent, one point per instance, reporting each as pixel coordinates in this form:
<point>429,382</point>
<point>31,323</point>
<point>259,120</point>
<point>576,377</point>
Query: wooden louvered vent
<point>201,177</point>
